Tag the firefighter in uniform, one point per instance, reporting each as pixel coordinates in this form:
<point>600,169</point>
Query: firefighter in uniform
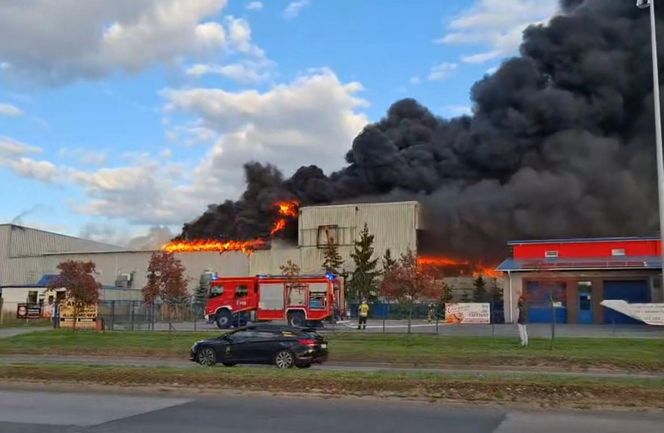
<point>363,310</point>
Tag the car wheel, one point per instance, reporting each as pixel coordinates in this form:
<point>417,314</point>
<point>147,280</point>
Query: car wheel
<point>206,356</point>
<point>296,319</point>
<point>284,359</point>
<point>224,319</point>
<point>228,364</point>
<point>303,365</point>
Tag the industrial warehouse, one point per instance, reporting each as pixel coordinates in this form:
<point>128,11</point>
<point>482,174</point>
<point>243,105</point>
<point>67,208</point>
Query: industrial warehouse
<point>576,273</point>
<point>28,256</point>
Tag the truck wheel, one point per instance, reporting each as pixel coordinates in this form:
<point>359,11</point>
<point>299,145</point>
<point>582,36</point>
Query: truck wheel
<point>224,319</point>
<point>296,318</point>
<point>206,357</point>
<point>284,359</point>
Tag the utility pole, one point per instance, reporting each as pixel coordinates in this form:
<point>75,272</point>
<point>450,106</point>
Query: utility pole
<point>658,127</point>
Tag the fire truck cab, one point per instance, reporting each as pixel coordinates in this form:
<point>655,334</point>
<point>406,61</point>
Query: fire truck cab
<point>301,300</point>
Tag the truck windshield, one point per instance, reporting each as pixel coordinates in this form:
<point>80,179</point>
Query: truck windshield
<point>216,291</point>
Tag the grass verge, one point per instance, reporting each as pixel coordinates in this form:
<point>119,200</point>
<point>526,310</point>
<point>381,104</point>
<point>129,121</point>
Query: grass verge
<point>415,350</point>
<point>543,391</point>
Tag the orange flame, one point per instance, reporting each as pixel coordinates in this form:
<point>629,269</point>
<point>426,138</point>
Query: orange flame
<point>440,261</point>
<point>246,247</point>
<point>477,269</point>
<point>285,209</point>
<point>288,208</point>
<point>278,226</point>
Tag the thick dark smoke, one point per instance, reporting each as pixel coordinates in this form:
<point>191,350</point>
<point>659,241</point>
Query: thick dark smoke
<point>561,143</point>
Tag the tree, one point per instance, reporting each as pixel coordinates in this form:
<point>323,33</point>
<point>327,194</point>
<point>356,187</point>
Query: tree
<point>479,293</point>
<point>364,276</point>
<point>388,261</point>
<point>447,294</point>
<point>79,282</point>
<point>166,280</point>
<point>332,260</point>
<point>408,283</point>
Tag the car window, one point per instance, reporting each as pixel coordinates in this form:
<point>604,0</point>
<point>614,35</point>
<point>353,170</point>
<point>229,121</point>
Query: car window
<point>266,334</point>
<point>243,334</point>
<point>216,291</point>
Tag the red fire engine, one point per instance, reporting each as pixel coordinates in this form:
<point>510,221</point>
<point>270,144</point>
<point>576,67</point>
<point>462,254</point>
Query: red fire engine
<point>301,300</point>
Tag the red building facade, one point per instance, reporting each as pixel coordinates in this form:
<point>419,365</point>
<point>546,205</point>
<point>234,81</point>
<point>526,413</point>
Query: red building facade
<point>566,279</point>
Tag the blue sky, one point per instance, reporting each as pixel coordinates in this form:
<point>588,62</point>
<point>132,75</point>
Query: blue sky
<point>126,118</point>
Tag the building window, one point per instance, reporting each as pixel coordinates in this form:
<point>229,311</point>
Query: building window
<point>618,252</point>
<point>327,235</point>
<point>32,297</point>
<point>550,254</point>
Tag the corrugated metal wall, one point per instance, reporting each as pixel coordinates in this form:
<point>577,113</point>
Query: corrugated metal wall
<point>394,226</point>
<point>28,270</point>
<point>25,241</point>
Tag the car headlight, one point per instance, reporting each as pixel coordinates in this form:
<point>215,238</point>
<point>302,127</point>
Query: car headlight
<point>193,348</point>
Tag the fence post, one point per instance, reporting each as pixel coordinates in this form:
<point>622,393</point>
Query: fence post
<point>132,316</point>
<point>112,315</point>
<point>1,310</point>
<point>437,318</point>
<point>194,311</point>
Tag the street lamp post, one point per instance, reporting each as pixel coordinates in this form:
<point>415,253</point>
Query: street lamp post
<point>658,126</point>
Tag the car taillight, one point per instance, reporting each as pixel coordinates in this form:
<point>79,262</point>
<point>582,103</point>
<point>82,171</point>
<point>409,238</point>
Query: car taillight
<point>307,341</point>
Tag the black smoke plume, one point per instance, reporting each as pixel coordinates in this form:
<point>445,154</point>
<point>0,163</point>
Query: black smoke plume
<point>560,144</point>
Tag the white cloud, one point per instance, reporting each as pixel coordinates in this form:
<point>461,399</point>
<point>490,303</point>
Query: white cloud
<point>166,153</point>
<point>310,120</point>
<point>59,42</point>
<point>287,126</point>
<point>10,110</point>
<point>10,148</point>
<point>497,25</point>
<point>254,6</point>
<point>415,80</point>
<point>44,171</point>
<point>294,8</point>
<point>84,156</point>
<point>252,66</point>
<point>245,72</point>
<point>442,71</point>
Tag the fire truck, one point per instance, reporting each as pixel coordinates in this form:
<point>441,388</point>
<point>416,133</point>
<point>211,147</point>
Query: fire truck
<point>301,300</point>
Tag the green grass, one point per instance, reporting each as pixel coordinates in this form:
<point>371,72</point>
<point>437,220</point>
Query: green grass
<point>540,389</point>
<point>13,322</point>
<point>632,354</point>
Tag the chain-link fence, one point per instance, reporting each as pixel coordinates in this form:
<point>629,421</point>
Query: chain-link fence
<point>137,315</point>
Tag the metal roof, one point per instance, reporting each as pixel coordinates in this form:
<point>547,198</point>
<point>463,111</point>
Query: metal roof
<point>589,263</point>
<point>585,240</point>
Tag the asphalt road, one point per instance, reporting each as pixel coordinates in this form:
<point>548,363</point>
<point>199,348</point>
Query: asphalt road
<point>43,412</point>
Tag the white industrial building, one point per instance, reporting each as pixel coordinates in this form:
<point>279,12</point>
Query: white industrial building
<point>27,254</point>
<point>394,225</point>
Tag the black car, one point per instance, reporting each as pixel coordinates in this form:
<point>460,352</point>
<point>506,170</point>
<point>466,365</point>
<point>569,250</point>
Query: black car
<point>283,346</point>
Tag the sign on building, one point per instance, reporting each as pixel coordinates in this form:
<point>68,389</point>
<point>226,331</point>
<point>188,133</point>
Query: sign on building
<point>85,317</point>
<point>651,314</point>
<point>477,313</point>
<point>28,311</point>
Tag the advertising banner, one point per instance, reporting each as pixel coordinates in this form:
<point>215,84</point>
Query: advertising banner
<point>478,313</point>
<point>86,317</point>
<point>651,314</point>
<point>28,311</point>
